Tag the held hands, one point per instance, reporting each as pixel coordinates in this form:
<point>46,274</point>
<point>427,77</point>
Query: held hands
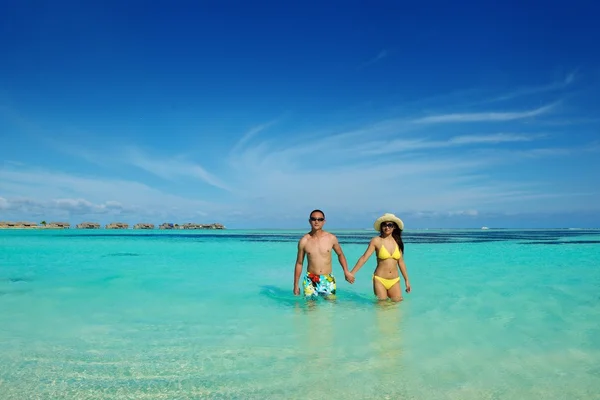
<point>349,277</point>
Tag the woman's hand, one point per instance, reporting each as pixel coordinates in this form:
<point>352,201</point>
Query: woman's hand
<point>349,277</point>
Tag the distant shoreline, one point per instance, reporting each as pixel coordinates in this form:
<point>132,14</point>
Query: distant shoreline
<point>6,225</point>
<point>33,228</point>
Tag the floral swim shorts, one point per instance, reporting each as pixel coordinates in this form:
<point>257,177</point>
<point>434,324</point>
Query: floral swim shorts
<point>315,285</point>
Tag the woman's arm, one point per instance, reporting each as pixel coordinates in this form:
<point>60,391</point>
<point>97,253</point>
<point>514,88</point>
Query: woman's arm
<point>402,266</point>
<point>363,259</point>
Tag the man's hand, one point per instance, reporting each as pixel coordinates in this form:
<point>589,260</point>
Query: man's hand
<point>296,291</point>
<point>349,277</point>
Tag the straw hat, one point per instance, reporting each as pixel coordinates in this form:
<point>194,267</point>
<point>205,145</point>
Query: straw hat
<point>388,217</point>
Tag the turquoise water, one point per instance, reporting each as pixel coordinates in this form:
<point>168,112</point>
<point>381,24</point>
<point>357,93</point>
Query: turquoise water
<point>496,314</point>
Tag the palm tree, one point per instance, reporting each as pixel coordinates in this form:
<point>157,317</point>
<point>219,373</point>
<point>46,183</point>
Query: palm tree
<point>43,223</point>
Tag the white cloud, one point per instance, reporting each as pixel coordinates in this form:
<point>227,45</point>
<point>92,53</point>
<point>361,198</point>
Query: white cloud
<point>411,182</point>
<point>82,206</point>
<point>406,164</point>
<point>394,146</point>
<point>42,190</point>
<point>249,135</point>
<point>371,168</point>
<point>380,56</point>
<point>494,138</point>
<point>4,204</point>
<point>171,168</point>
<point>554,86</point>
<point>484,116</point>
<point>470,213</point>
<point>62,207</point>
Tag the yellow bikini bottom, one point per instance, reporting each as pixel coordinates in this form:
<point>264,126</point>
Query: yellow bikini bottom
<point>387,283</point>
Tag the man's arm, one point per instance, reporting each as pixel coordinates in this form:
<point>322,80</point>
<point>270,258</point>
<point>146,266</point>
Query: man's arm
<point>341,257</point>
<point>298,268</point>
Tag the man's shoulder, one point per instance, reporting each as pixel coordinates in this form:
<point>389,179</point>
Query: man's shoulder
<point>304,238</point>
<point>331,237</point>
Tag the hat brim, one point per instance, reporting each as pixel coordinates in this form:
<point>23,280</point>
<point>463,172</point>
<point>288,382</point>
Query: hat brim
<point>388,218</point>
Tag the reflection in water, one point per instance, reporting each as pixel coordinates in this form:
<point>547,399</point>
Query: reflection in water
<point>315,338</point>
<point>388,347</point>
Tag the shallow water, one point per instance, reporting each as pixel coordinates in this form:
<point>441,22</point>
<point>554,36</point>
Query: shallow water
<point>498,314</point>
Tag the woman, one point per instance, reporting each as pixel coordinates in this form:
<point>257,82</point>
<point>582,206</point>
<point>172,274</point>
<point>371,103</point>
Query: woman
<point>390,249</point>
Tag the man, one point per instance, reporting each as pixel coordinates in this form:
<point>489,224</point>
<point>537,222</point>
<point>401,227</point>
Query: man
<point>317,246</point>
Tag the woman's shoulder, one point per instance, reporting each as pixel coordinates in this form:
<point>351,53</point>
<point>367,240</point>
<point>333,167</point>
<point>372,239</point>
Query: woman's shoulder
<point>376,239</point>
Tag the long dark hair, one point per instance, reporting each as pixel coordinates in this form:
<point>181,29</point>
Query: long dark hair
<point>397,235</point>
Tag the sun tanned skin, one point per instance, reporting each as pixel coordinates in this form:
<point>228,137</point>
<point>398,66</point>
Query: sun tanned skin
<point>385,268</point>
<point>316,246</point>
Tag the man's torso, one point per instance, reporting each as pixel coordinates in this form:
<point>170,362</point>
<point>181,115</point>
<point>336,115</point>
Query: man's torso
<point>318,253</point>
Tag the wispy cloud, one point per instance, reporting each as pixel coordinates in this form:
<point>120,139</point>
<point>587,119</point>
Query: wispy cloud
<point>484,116</point>
<point>494,138</point>
<point>389,164</point>
<point>249,135</point>
<point>169,168</point>
<point>59,191</point>
<point>103,155</point>
<point>399,145</point>
<point>405,161</point>
<point>172,168</point>
<point>380,56</point>
<point>546,152</point>
<point>414,181</point>
<point>554,86</point>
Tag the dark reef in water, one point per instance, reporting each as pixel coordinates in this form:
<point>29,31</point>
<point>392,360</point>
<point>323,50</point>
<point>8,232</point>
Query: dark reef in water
<point>122,255</point>
<point>18,280</point>
<point>555,236</point>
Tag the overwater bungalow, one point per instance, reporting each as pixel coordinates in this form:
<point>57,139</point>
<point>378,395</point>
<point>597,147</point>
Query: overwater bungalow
<point>26,224</point>
<point>117,225</point>
<point>88,225</point>
<point>58,225</point>
<point>17,225</point>
<point>143,225</point>
<point>193,226</point>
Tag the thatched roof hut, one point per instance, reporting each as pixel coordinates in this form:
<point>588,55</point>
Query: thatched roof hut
<point>194,226</point>
<point>88,225</point>
<point>58,225</point>
<point>143,225</point>
<point>23,224</point>
<point>117,225</point>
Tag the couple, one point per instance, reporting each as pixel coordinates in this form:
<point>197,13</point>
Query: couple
<point>317,246</point>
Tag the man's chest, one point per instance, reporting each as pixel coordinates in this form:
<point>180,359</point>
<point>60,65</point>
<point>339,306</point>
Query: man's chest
<point>321,247</point>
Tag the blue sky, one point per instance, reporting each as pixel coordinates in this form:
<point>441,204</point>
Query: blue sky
<point>253,114</point>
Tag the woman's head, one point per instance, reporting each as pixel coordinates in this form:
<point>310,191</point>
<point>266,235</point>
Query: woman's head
<point>388,218</point>
<point>389,227</point>
<point>389,224</point>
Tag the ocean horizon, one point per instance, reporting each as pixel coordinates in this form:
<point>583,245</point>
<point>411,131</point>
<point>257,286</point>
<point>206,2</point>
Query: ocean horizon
<point>160,314</point>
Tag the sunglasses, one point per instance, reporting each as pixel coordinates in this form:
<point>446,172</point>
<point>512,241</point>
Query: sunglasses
<point>387,225</point>
<point>317,219</point>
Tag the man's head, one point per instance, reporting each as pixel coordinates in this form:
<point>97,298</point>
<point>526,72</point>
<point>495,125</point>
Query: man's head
<point>316,219</point>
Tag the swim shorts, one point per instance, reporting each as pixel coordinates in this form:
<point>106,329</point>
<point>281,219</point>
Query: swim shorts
<point>315,285</point>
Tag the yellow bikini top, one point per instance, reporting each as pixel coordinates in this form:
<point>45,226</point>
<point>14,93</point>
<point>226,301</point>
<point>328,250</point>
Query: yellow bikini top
<point>385,254</point>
